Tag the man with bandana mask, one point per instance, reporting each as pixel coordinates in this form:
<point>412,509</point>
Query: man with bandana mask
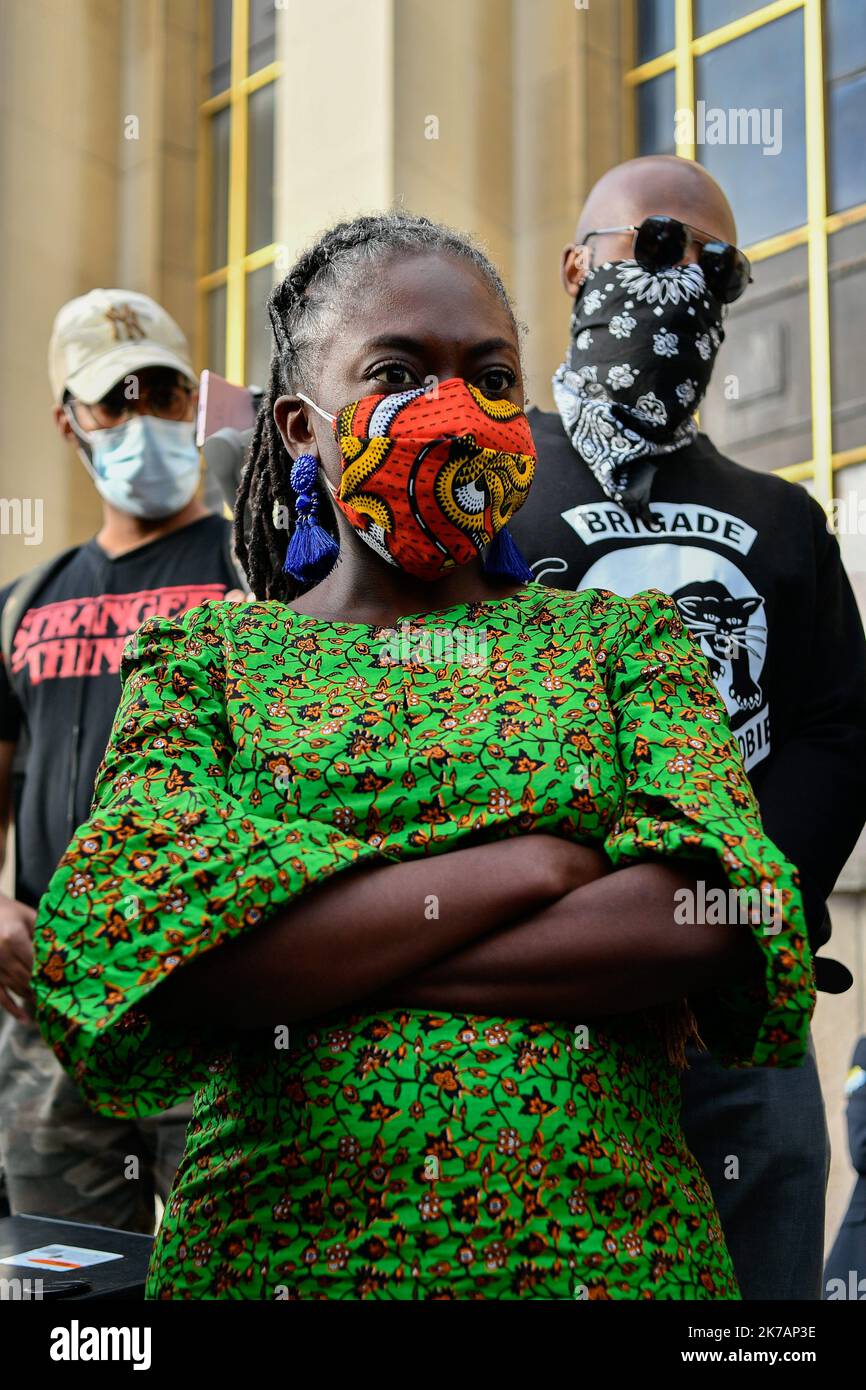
<point>125,393</point>
<point>630,496</point>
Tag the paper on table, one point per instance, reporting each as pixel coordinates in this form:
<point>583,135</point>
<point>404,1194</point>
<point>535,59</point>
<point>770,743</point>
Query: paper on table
<point>59,1257</point>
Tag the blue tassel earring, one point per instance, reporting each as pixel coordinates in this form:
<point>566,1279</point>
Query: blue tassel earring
<point>504,561</point>
<point>312,552</point>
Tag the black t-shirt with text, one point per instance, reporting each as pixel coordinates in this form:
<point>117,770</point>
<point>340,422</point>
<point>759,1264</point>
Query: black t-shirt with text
<point>758,578</point>
<point>63,687</point>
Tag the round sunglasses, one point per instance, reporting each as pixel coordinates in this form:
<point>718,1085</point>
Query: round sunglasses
<point>661,242</point>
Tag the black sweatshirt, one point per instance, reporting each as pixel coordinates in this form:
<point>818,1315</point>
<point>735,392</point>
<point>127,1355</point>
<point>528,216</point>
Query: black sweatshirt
<point>759,580</point>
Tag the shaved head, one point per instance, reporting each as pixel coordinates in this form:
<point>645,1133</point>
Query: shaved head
<point>658,183</point>
<point>624,196</point>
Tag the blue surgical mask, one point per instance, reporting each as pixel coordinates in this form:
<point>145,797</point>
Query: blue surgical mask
<point>147,467</point>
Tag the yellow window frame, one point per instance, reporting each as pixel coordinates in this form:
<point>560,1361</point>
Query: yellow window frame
<point>819,224</point>
<point>239,262</point>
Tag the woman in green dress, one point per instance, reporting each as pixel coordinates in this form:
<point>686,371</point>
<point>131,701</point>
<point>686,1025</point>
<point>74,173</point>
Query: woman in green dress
<point>394,868</point>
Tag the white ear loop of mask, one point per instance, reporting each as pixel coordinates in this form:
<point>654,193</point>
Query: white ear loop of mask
<point>82,443</point>
<point>332,490</point>
<point>317,408</point>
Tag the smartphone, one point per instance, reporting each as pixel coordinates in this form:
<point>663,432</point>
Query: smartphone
<point>223,406</point>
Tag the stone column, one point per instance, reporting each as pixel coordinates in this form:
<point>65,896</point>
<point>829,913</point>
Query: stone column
<point>334,144</point>
<point>157,151</point>
<point>59,177</point>
<point>568,128</point>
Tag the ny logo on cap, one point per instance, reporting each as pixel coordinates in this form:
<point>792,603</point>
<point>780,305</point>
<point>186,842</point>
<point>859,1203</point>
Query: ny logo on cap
<point>127,317</point>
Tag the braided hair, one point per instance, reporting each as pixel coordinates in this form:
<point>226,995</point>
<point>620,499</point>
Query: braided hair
<point>303,309</point>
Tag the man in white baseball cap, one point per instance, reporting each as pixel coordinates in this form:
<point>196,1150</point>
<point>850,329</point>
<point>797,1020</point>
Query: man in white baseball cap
<point>124,397</point>
<point>107,335</point>
<point>124,389</point>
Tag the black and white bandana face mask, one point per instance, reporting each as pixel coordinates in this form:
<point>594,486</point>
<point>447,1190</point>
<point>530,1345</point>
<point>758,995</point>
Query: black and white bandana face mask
<point>642,349</point>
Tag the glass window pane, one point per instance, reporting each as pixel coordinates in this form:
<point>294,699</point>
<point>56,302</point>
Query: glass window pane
<point>259,336</point>
<point>751,129</point>
<point>712,14</point>
<point>221,45</point>
<point>260,167</point>
<point>758,407</point>
<point>262,34</point>
<point>845,57</point>
<point>655,115</point>
<point>844,37</point>
<point>655,28</point>
<point>846,118</point>
<point>219,189</point>
<point>849,490</point>
<point>847,255</point>
<point>215,353</point>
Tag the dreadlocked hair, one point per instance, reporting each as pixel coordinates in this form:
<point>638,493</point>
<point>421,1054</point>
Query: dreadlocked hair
<point>304,309</point>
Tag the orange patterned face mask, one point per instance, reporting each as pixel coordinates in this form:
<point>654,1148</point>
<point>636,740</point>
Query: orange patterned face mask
<point>430,479</point>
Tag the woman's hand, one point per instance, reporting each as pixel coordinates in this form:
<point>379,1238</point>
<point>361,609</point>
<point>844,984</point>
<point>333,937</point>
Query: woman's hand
<point>569,866</point>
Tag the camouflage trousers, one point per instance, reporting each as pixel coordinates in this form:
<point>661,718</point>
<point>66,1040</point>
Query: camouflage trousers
<point>61,1159</point>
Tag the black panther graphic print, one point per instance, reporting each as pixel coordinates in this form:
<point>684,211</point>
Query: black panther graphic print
<point>726,615</point>
<point>722,625</point>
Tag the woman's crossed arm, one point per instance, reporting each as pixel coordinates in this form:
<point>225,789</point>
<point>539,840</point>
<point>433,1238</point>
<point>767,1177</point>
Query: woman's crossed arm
<point>534,926</point>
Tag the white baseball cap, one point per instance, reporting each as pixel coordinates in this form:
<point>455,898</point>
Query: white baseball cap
<point>105,335</point>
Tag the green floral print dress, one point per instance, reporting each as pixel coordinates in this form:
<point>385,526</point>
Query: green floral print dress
<point>406,1153</point>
